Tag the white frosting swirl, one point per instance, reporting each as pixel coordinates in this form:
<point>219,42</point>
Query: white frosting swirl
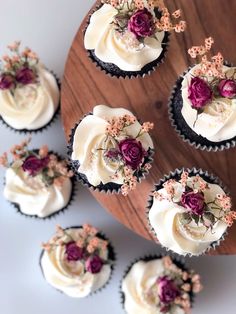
<point>136,287</point>
<point>32,106</point>
<point>111,48</point>
<point>32,196</point>
<point>70,277</point>
<point>165,218</point>
<point>90,135</point>
<point>217,122</point>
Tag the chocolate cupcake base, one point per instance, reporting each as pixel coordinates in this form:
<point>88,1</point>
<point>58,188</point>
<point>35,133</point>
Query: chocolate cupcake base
<point>176,174</point>
<point>182,128</point>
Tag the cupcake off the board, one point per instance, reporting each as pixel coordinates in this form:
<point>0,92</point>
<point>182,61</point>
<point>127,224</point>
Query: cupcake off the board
<point>29,93</point>
<point>128,38</point>
<point>77,261</point>
<point>156,285</point>
<point>189,212</point>
<point>110,150</point>
<point>37,181</point>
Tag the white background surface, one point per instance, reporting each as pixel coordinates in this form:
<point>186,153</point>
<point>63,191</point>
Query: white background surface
<point>48,27</point>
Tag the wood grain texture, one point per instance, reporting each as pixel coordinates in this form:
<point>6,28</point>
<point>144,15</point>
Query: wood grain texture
<point>84,86</point>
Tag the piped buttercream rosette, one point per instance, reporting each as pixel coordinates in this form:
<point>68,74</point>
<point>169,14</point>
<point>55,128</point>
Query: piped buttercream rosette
<point>110,150</point>
<point>189,212</point>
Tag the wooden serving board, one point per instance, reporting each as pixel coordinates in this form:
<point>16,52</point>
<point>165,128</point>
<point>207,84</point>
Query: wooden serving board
<point>84,86</point>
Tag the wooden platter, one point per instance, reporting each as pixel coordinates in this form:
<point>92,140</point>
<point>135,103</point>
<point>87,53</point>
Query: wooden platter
<point>84,86</point>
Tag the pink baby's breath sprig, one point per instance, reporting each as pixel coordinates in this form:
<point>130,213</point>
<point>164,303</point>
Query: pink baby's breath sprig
<point>130,181</point>
<point>229,218</point>
<point>166,23</point>
<point>212,67</point>
<point>117,124</point>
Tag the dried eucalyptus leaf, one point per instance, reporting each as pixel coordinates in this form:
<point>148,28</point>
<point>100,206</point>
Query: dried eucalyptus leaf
<point>185,218</point>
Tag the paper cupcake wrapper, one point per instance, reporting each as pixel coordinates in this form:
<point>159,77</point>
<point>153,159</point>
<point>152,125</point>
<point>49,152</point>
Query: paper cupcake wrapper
<point>176,174</point>
<point>112,70</point>
<point>111,255</point>
<point>109,188</point>
<point>181,127</point>
<point>60,211</point>
<point>177,259</point>
<point>46,126</point>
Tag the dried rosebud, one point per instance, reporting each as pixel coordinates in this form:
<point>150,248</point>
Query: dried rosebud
<point>34,165</point>
<point>74,252</point>
<point>132,152</point>
<point>6,81</point>
<point>25,76</point>
<point>199,93</point>
<point>194,202</point>
<point>227,88</point>
<point>141,23</point>
<point>167,290</point>
<point>94,264</point>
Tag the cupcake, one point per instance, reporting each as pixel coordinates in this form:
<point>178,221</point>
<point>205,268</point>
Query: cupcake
<point>129,38</point>
<point>203,102</point>
<point>155,285</point>
<point>37,182</point>
<point>29,93</point>
<point>189,212</point>
<point>110,150</point>
<point>77,261</point>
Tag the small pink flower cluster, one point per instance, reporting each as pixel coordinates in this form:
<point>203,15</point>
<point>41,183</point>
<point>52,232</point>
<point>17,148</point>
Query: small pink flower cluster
<point>213,68</point>
<point>117,124</point>
<point>169,187</point>
<point>18,68</point>
<point>166,24</point>
<point>224,201</point>
<point>229,218</point>
<point>189,281</point>
<point>85,239</point>
<point>130,181</point>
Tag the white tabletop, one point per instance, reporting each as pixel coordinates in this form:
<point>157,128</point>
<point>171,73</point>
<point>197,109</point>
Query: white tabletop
<point>48,27</point>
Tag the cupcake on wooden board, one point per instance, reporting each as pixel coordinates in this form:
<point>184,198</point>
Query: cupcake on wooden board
<point>110,150</point>
<point>37,182</point>
<point>129,38</point>
<point>29,93</point>
<point>156,285</point>
<point>77,261</point>
<point>203,102</point>
<point>189,212</point>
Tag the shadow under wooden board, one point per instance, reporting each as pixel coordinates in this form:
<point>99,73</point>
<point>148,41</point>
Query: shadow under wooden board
<point>84,86</point>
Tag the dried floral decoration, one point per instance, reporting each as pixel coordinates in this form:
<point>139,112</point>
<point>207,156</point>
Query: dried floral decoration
<point>41,166</point>
<point>174,287</point>
<point>206,213</point>
<point>137,19</point>
<point>19,68</point>
<point>128,153</point>
<point>85,246</point>
<point>210,81</point>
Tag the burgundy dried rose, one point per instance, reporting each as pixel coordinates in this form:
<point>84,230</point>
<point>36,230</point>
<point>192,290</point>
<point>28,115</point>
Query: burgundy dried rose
<point>34,165</point>
<point>25,76</point>
<point>94,264</point>
<point>6,81</point>
<point>194,202</point>
<point>132,152</point>
<point>74,252</point>
<point>167,290</point>
<point>227,88</point>
<point>199,93</point>
<point>141,23</point>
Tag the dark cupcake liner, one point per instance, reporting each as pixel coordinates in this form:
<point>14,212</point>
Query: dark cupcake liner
<point>53,215</point>
<point>181,127</point>
<point>110,188</point>
<point>112,70</point>
<point>112,256</point>
<point>46,126</point>
<point>178,260</point>
<point>210,178</point>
